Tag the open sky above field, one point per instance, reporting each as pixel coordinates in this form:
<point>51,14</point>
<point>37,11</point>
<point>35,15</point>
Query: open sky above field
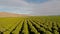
<point>33,7</point>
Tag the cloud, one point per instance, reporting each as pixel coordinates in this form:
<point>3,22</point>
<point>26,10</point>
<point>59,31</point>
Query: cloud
<point>36,1</point>
<point>47,8</point>
<point>50,7</point>
<point>15,6</point>
<point>13,2</point>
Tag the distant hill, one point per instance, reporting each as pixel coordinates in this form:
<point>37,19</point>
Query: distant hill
<point>6,14</point>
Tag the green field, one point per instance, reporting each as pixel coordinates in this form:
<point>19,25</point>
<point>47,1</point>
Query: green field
<point>30,25</point>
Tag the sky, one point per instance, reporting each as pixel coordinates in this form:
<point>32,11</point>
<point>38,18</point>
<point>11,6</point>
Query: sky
<point>33,7</point>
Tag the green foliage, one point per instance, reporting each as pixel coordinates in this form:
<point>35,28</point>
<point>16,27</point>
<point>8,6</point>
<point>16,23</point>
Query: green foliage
<point>47,32</point>
<point>30,25</point>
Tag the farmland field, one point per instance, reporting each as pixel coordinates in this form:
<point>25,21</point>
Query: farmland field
<point>30,25</point>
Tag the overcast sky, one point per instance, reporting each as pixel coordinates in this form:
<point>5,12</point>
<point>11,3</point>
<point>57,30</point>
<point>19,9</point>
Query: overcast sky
<point>33,7</point>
